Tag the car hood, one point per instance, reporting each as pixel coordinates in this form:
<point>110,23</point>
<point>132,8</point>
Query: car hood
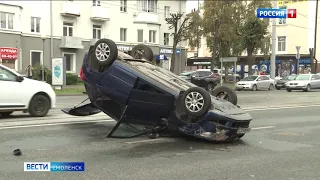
<point>35,82</point>
<point>299,82</point>
<point>282,81</point>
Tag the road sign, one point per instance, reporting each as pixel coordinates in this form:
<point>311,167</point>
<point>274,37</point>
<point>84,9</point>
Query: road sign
<point>298,48</point>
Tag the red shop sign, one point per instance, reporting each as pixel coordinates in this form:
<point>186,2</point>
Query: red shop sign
<point>9,53</point>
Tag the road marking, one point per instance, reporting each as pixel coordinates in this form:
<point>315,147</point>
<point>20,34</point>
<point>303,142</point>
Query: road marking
<point>146,141</point>
<point>54,124</point>
<point>276,108</point>
<point>263,127</point>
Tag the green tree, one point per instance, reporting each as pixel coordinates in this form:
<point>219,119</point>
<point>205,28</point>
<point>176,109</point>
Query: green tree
<point>195,31</point>
<point>180,32</point>
<point>253,32</point>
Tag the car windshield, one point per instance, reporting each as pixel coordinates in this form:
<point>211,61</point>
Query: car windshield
<point>302,77</point>
<point>291,77</point>
<point>186,73</point>
<point>250,78</point>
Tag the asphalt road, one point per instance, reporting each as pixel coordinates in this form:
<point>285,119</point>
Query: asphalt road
<point>283,144</point>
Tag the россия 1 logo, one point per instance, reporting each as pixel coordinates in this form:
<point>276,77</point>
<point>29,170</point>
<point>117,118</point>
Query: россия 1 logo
<point>276,13</point>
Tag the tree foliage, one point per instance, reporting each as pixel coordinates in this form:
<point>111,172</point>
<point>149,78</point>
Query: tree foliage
<point>195,31</point>
<point>180,32</point>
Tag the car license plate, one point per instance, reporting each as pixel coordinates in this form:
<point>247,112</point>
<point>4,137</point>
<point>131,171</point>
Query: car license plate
<point>243,130</point>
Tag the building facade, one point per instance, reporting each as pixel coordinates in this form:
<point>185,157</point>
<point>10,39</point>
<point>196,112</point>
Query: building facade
<point>42,30</point>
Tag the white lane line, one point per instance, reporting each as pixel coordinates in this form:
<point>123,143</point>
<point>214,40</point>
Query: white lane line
<point>145,141</point>
<point>54,124</point>
<point>262,127</point>
<point>276,108</point>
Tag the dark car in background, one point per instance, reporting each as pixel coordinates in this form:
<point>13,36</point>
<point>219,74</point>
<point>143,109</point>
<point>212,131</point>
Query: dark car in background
<point>282,82</point>
<point>186,75</point>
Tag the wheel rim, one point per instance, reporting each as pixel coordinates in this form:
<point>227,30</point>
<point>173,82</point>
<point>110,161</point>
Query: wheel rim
<point>102,52</point>
<point>139,54</point>
<point>39,107</point>
<point>223,95</point>
<point>271,86</point>
<point>254,87</point>
<point>194,101</point>
<point>210,88</point>
<point>308,87</point>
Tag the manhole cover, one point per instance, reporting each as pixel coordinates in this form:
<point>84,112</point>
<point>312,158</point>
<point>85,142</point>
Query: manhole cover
<point>289,134</point>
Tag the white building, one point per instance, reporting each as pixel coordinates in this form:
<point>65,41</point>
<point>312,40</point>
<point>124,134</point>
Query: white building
<point>67,28</point>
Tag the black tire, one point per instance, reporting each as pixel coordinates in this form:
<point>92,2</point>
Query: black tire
<point>39,106</point>
<point>237,79</point>
<point>230,94</point>
<point>142,51</point>
<point>5,114</point>
<point>270,87</point>
<point>278,88</point>
<point>289,90</point>
<point>206,100</point>
<point>99,63</point>
<point>308,88</point>
<point>210,87</point>
<point>254,87</point>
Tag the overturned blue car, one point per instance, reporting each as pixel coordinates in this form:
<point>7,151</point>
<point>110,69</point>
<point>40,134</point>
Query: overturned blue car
<point>133,91</point>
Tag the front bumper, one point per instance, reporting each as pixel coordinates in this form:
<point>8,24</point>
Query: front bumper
<point>280,85</point>
<point>296,87</point>
<point>246,86</point>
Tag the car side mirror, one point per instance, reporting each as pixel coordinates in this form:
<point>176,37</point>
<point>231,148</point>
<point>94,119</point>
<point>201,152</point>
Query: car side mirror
<point>19,78</point>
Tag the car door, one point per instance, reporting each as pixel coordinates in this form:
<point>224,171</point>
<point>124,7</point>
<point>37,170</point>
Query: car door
<point>315,82</point>
<point>195,78</point>
<point>147,104</point>
<point>266,81</point>
<point>11,91</point>
<point>260,84</point>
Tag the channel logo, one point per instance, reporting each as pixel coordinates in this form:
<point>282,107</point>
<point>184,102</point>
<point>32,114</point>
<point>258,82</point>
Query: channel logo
<point>54,166</point>
<point>276,13</point>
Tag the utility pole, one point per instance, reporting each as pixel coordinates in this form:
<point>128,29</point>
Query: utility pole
<point>315,41</point>
<point>274,42</point>
<point>198,40</point>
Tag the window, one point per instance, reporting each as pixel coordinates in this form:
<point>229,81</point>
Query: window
<point>166,12</point>
<point>282,20</point>
<point>70,62</point>
<point>123,6</point>
<point>35,24</point>
<point>140,35</point>
<point>67,29</point>
<point>281,43</point>
<point>123,34</point>
<point>6,20</point>
<point>96,32</point>
<point>96,3</point>
<point>166,39</point>
<point>6,75</point>
<point>36,57</point>
<point>148,5</point>
<point>152,36</point>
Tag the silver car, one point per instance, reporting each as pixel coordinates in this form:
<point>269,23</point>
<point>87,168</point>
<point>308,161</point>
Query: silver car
<point>255,82</point>
<point>304,82</point>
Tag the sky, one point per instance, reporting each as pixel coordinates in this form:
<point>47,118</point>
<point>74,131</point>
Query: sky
<point>191,4</point>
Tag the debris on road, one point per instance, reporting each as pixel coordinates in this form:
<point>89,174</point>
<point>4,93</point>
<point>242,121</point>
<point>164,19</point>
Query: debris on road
<point>17,152</point>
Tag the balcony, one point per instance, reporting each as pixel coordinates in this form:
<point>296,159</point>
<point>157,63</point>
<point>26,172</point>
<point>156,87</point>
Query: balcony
<point>70,9</point>
<point>99,13</point>
<point>146,17</point>
<point>71,42</point>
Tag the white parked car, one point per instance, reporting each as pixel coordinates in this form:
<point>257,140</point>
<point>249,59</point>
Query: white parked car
<point>19,93</point>
<point>255,82</point>
<point>304,82</point>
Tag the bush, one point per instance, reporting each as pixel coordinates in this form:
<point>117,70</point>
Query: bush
<point>71,79</point>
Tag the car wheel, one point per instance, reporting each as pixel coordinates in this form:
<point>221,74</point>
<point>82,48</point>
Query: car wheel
<point>196,101</point>
<point>39,106</point>
<point>142,51</point>
<point>278,88</point>
<point>103,53</point>
<point>254,87</point>
<point>270,87</point>
<point>5,114</point>
<point>210,87</point>
<point>226,93</point>
<point>237,79</point>
<point>308,88</point>
<point>289,90</point>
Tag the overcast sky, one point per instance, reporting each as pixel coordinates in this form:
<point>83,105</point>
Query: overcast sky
<point>191,4</point>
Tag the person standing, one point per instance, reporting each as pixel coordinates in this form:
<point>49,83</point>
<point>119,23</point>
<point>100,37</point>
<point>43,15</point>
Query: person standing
<point>28,71</point>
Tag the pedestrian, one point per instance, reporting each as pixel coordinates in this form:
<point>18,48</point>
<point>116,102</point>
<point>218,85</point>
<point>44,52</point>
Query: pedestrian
<point>28,71</point>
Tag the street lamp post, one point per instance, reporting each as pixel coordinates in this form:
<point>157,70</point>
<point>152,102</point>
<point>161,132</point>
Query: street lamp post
<point>43,37</point>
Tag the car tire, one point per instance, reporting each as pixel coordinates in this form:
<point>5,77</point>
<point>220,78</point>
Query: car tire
<point>196,93</point>
<point>229,94</point>
<point>102,54</point>
<point>254,87</point>
<point>210,87</point>
<point>270,87</point>
<point>278,88</point>
<point>289,90</point>
<point>142,51</point>
<point>237,79</point>
<point>308,88</point>
<point>6,114</point>
<point>39,102</point>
